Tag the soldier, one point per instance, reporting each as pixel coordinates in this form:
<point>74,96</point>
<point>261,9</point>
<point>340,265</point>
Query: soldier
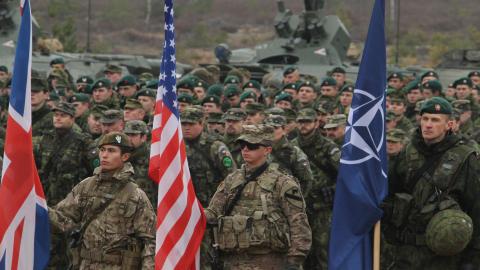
<point>234,119</point>
<point>398,107</point>
<point>127,88</point>
<point>329,91</point>
<point>215,123</point>
<point>102,94</point>
<point>200,89</point>
<point>335,128</point>
<point>290,75</point>
<point>133,110</point>
<point>464,91</point>
<point>247,97</point>
<point>433,204</point>
<point>94,127</point>
<point>283,101</point>
<point>232,96</point>
<point>289,158</point>
<point>184,101</point>
<point>147,98</point>
<point>112,220</point>
<point>395,80</point>
<point>82,83</point>
<point>428,76</point>
<point>467,127</point>
<point>41,114</point>
<point>474,76</point>
<point>209,159</point>
<point>396,141</point>
<point>306,95</point>
<point>211,104</point>
<point>81,102</point>
<point>260,211</point>
<point>340,75</point>
<point>137,132</point>
<point>413,94</point>
<point>345,99</point>
<point>292,89</point>
<point>255,114</point>
<point>432,88</point>
<point>324,157</point>
<point>3,73</point>
<point>256,87</point>
<point>113,73</point>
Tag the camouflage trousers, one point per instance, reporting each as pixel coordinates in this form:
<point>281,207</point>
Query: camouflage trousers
<point>271,261</point>
<point>320,222</point>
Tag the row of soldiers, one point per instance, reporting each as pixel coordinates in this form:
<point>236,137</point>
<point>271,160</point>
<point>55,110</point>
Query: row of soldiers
<point>307,121</point>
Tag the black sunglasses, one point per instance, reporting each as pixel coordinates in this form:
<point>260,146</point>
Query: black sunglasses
<point>250,146</point>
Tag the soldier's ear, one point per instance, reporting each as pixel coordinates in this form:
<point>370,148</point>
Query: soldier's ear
<point>125,157</point>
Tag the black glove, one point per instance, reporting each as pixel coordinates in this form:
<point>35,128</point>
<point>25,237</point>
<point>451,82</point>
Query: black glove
<point>328,194</point>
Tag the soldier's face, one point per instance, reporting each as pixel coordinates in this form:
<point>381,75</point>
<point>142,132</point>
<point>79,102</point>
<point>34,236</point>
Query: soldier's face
<point>339,77</point>
<point>127,91</point>
<point>346,98</point>
<point>94,125</point>
<point>395,83</point>
<point>182,106</point>
<point>254,118</point>
<point>3,75</point>
<point>475,80</point>
<point>192,130</point>
<point>336,132</point>
<point>394,148</point>
<point>233,127</point>
<point>278,133</point>
<point>255,157</point>
<point>463,91</point>
<point>218,128</point>
<point>329,91</point>
<point>306,126</point>
<point>450,92</point>
<point>148,103</point>
<point>292,77</point>
<point>62,120</point>
<point>434,127</point>
<point>209,107</point>
<point>427,93</point>
<point>80,107</point>
<point>306,94</point>
<point>111,127</point>
<point>283,104</point>
<point>233,100</point>
<point>245,102</point>
<point>113,76</point>
<point>38,98</point>
<point>137,139</point>
<point>199,92</point>
<point>101,94</point>
<point>111,158</point>
<point>397,107</point>
<point>414,95</point>
<point>133,114</point>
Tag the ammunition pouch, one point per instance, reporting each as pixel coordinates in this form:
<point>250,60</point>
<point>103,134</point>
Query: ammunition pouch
<point>402,205</point>
<point>254,234</point>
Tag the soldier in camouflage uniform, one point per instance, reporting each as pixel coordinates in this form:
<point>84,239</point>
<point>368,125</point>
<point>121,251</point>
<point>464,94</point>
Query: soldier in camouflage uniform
<point>259,211</point>
<point>467,127</point>
<point>137,131</point>
<point>112,220</point>
<point>209,159</point>
<point>398,106</point>
<point>102,94</point>
<point>289,158</point>
<point>335,128</point>
<point>81,102</point>
<point>234,119</point>
<point>324,157</point>
<point>464,91</point>
<point>41,114</point>
<point>437,172</point>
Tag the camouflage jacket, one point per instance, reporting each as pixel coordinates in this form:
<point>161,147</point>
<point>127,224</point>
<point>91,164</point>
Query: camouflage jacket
<point>92,154</point>
<point>271,209</point>
<point>234,148</point>
<point>42,122</point>
<point>82,122</point>
<point>122,234</point>
<point>293,161</point>
<point>405,125</point>
<point>139,159</point>
<point>451,181</point>
<point>112,103</point>
<point>61,162</point>
<point>210,162</point>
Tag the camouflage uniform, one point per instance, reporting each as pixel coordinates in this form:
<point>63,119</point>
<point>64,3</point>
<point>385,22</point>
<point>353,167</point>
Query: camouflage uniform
<point>235,114</point>
<point>267,227</point>
<point>122,235</point>
<point>427,179</point>
<point>324,157</point>
<point>41,122</point>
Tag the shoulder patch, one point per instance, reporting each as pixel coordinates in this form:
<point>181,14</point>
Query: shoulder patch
<point>227,162</point>
<point>294,197</point>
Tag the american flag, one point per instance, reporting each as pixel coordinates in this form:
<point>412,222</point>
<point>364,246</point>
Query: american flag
<point>24,226</point>
<point>180,217</point>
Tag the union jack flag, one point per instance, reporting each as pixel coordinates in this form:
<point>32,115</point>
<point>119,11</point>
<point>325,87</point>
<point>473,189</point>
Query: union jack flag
<point>24,226</point>
<point>180,217</point>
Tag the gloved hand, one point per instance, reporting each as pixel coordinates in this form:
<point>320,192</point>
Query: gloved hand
<point>328,194</point>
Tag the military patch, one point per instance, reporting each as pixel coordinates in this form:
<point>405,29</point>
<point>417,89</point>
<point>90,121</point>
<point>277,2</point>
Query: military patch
<point>437,107</point>
<point>96,162</point>
<point>227,162</point>
<point>118,138</point>
<point>294,198</point>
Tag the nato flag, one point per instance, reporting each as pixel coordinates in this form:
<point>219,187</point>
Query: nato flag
<point>362,178</point>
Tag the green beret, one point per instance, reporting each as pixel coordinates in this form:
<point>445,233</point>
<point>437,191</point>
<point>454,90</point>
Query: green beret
<point>85,79</point>
<point>4,69</point>
<point>433,85</point>
<point>215,89</point>
<point>88,89</point>
<point>347,88</point>
<point>202,84</point>
<point>132,104</point>
<point>335,120</point>
<point>112,69</point>
<point>429,73</point>
<point>257,134</point>
<point>275,120</point>
<point>127,80</point>
<point>38,84</point>
<point>252,84</point>
<point>191,115</point>
<point>231,90</point>
<point>58,60</point>
<point>396,135</point>
<point>152,84</point>
<point>185,98</point>
<point>328,81</point>
<point>64,107</point>
<point>248,94</point>
<point>186,83</point>
<point>463,81</point>
<point>473,73</point>
<point>147,92</point>
<point>111,116</point>
<point>395,75</point>
<point>436,105</point>
<point>116,138</point>
<point>135,127</point>
<point>415,84</point>
<point>289,70</point>
<point>283,96</point>
<point>293,86</point>
<point>235,114</point>
<point>211,99</point>
<point>232,79</point>
<point>53,96</point>
<point>252,108</point>
<point>80,97</point>
<point>463,105</point>
<point>307,114</point>
<point>307,84</point>
<point>338,70</point>
<point>215,118</point>
<point>102,82</point>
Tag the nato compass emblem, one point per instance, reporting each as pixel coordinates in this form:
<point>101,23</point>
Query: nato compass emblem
<point>364,134</point>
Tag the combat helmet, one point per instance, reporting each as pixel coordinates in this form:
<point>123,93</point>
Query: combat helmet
<point>449,232</point>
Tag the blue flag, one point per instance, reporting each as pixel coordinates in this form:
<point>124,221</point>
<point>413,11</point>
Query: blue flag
<point>362,178</point>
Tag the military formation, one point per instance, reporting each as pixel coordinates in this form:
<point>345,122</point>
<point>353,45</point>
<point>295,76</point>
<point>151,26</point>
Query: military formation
<point>263,157</point>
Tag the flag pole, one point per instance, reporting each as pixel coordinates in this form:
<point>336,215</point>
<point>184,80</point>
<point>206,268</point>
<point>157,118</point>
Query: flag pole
<point>376,246</point>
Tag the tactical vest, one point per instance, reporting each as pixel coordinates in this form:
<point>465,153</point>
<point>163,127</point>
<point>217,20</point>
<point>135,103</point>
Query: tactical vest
<point>256,224</point>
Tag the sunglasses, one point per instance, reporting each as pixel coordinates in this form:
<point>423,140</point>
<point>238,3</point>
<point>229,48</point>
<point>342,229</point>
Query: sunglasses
<point>250,146</point>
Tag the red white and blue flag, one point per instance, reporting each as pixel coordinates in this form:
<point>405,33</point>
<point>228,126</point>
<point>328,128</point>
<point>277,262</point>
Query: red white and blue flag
<point>180,217</point>
<point>24,226</point>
